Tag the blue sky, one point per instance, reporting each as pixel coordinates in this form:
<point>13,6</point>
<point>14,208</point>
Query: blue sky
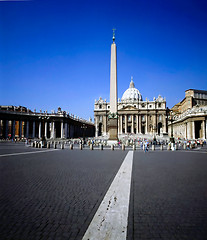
<point>57,53</point>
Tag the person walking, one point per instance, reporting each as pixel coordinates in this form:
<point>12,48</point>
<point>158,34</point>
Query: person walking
<point>146,147</point>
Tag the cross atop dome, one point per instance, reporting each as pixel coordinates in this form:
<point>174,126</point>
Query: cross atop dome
<point>131,85</point>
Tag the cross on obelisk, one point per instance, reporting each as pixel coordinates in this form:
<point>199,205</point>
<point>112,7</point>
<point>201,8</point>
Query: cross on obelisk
<point>113,120</point>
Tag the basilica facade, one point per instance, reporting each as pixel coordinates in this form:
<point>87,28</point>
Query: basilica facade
<point>136,117</point>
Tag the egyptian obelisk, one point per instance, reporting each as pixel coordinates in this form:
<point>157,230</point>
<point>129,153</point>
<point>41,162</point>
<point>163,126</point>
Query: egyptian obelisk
<point>112,117</point>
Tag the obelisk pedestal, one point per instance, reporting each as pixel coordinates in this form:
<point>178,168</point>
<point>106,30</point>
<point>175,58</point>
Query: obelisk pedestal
<point>112,116</point>
<point>112,127</point>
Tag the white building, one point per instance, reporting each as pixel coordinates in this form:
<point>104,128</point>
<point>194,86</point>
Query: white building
<point>135,116</point>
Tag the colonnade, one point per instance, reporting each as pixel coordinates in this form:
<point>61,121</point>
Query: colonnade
<point>191,129</point>
<point>145,124</point>
<point>15,126</point>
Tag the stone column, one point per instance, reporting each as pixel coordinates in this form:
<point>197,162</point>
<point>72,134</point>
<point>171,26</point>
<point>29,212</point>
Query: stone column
<point>96,127</point>
<point>206,128</point>
<point>121,124</point>
<point>137,121</point>
<point>203,129</point>
<point>126,123</point>
<point>13,129</point>
<point>146,129</point>
<point>62,130</point>
<point>27,129</point>
<point>186,131</point>
<point>140,123</point>
<point>46,130</point>
<point>105,127</point>
<point>66,130</point>
<point>193,129</point>
<point>132,129</point>
<point>52,130</point>
<point>164,123</point>
<point>20,129</point>
<point>40,128</point>
<point>157,121</point>
<point>33,130</point>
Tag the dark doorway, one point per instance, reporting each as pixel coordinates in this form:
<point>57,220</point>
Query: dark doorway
<point>129,129</point>
<point>58,129</point>
<point>159,127</point>
<point>100,129</point>
<point>198,129</point>
<point>143,129</point>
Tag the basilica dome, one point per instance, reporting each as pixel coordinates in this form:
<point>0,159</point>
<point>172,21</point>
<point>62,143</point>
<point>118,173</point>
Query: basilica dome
<point>131,94</point>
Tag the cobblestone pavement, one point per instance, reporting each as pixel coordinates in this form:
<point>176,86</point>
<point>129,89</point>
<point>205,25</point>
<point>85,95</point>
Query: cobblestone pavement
<point>54,194</point>
<point>169,196</point>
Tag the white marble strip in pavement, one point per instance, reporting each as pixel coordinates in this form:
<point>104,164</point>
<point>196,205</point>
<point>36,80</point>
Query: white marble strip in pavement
<point>111,219</point>
<point>14,154</point>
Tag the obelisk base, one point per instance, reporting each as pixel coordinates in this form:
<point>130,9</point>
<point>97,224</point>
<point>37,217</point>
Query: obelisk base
<point>113,131</point>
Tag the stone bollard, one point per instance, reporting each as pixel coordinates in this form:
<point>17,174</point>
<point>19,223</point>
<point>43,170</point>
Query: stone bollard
<point>153,147</point>
<point>48,145</point>
<point>123,147</point>
<point>161,147</point>
<point>62,145</point>
<point>81,146</point>
<point>71,146</point>
<point>35,144</point>
<point>91,146</point>
<point>101,147</point>
<point>112,147</point>
<point>55,145</point>
<point>184,146</point>
<point>134,147</point>
<point>40,144</point>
